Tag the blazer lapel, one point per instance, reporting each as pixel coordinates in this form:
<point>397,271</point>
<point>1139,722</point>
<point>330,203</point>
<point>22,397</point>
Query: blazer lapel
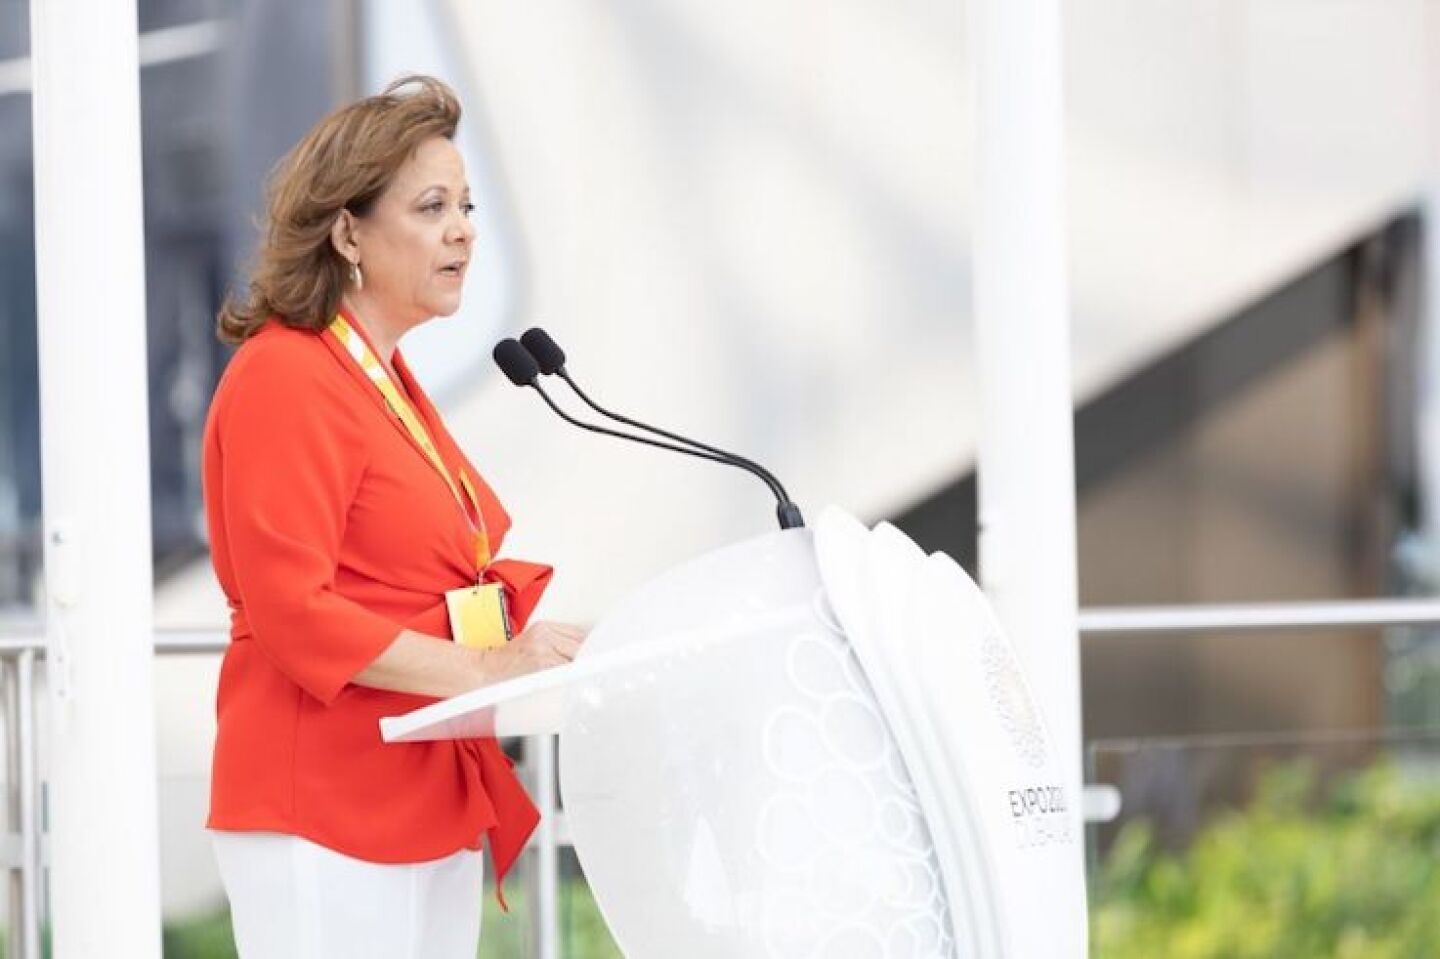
<point>371,391</point>
<point>463,557</point>
<point>492,513</point>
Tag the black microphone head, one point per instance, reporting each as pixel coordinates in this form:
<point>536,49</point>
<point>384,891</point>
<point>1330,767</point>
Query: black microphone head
<point>516,362</point>
<point>545,350</point>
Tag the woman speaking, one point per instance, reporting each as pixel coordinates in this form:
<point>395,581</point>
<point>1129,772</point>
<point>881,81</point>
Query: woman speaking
<point>356,546</point>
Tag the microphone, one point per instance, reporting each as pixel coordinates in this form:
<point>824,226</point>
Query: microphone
<point>522,368</point>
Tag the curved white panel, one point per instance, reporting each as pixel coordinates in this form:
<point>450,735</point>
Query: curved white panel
<point>747,798</point>
<point>862,588</point>
<point>894,570</point>
<point>972,736</point>
<point>994,744</point>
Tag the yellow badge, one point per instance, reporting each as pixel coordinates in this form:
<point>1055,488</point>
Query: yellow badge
<point>478,615</point>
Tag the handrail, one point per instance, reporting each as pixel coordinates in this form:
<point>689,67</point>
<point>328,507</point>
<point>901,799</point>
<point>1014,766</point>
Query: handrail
<point>30,636</point>
<point>1258,616</point>
<point>18,635</point>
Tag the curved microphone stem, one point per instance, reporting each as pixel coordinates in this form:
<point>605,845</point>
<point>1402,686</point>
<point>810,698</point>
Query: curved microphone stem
<point>628,436</point>
<point>753,466</point>
<point>785,510</point>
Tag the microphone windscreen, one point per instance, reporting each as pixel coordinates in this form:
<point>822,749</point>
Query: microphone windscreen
<point>545,350</point>
<point>516,362</point>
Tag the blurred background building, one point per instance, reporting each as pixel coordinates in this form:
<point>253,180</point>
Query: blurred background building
<point>751,221</point>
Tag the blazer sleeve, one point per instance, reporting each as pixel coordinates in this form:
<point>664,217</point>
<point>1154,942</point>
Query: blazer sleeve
<point>292,455</point>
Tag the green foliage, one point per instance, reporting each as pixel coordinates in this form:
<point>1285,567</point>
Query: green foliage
<point>585,934</point>
<point>1354,875</point>
<point>207,937</point>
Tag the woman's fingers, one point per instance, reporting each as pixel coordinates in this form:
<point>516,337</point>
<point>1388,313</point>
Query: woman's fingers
<point>543,645</point>
<point>566,645</point>
<point>562,637</point>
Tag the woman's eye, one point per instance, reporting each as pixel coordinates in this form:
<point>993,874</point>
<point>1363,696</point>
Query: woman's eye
<point>437,207</point>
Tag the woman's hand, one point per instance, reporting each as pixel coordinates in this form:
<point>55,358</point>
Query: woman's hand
<point>431,666</point>
<point>540,645</point>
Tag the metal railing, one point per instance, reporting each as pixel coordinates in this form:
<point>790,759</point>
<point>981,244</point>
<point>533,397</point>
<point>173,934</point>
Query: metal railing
<point>22,649</point>
<point>22,853</point>
<point>21,842</point>
<point>1260,616</point>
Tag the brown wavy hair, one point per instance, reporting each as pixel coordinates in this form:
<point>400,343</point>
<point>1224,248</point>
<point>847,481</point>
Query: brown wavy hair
<point>344,163</point>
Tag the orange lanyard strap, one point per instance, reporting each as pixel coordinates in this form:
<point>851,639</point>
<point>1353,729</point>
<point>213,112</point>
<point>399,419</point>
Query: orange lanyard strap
<point>370,364</point>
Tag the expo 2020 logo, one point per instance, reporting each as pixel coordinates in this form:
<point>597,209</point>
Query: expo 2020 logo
<point>1011,700</point>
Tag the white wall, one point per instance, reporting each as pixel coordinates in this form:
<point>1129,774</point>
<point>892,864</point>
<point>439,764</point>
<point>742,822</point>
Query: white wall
<point>751,220</point>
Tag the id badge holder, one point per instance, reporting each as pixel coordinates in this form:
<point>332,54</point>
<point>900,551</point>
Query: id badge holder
<point>479,617</point>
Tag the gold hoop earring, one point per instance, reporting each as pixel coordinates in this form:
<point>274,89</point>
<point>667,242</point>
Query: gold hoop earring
<point>357,277</point>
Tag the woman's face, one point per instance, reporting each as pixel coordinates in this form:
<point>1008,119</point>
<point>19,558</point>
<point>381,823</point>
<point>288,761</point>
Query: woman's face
<point>414,244</point>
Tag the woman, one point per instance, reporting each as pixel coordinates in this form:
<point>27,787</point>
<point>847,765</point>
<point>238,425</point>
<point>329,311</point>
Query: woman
<point>350,534</point>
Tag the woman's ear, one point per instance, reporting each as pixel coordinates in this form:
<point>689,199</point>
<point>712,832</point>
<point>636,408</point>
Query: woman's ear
<point>342,236</point>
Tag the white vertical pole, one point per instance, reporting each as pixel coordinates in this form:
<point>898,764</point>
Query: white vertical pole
<point>1026,453</point>
<point>546,849</point>
<point>1428,417</point>
<point>90,286</point>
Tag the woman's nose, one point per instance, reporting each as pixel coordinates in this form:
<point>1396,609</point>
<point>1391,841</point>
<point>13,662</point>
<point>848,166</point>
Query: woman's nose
<point>462,229</point>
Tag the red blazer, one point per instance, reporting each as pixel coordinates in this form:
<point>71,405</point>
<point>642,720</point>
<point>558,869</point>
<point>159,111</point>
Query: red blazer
<point>330,532</point>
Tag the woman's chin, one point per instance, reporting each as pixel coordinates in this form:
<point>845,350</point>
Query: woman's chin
<point>446,306</point>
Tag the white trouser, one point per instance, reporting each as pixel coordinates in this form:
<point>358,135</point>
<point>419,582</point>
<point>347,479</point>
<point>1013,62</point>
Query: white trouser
<point>293,899</point>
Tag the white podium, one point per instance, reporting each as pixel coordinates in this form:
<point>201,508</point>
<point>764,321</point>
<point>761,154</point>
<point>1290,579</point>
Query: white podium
<point>810,745</point>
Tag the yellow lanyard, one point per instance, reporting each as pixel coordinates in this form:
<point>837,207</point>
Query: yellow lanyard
<point>361,353</point>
